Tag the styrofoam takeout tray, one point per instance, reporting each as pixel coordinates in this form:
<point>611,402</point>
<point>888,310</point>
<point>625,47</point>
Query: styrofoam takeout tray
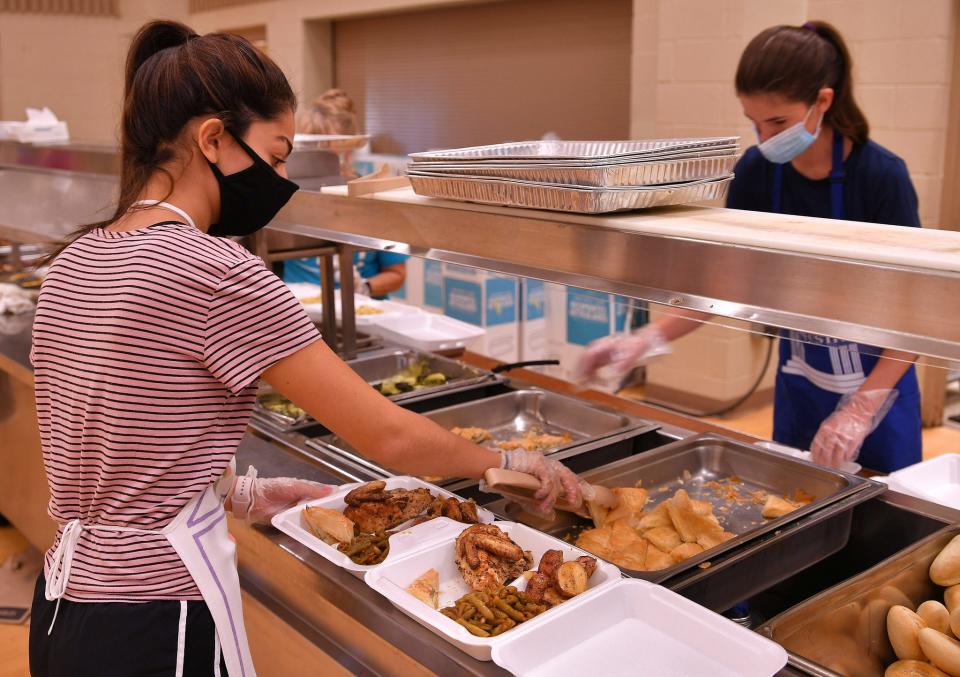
<point>404,541</point>
<point>315,310</point>
<point>634,627</point>
<point>936,480</point>
<point>426,331</point>
<point>391,580</point>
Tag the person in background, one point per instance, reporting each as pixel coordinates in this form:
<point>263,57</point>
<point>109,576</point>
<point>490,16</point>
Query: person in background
<point>814,157</point>
<point>152,332</point>
<point>376,274</point>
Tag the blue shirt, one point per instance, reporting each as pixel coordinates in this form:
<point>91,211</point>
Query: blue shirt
<point>368,263</point>
<point>876,188</point>
<point>815,372</point>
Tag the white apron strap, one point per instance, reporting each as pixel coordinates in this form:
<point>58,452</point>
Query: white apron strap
<point>200,537</point>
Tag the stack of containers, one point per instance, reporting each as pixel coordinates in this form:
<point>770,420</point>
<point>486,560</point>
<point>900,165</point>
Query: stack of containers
<point>580,176</point>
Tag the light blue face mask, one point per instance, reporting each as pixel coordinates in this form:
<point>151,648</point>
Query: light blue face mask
<point>791,142</point>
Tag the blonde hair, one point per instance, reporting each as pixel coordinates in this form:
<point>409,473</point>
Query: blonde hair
<point>332,112</point>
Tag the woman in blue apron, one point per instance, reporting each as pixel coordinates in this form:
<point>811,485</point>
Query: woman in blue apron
<point>841,400</point>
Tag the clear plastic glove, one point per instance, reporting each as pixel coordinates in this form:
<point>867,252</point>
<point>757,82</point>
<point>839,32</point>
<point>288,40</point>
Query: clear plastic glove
<point>360,285</point>
<point>556,479</point>
<point>271,495</point>
<point>617,355</point>
<point>842,434</point>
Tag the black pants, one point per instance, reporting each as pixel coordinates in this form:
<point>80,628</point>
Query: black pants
<point>117,639</point>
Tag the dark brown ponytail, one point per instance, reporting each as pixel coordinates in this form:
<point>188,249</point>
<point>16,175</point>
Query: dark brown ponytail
<point>174,75</point>
<point>796,62</point>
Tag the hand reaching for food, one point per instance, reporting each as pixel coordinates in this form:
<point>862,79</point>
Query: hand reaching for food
<point>842,434</point>
<point>620,354</point>
<point>556,480</point>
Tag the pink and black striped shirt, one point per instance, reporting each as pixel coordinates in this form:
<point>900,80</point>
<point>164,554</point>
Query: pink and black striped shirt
<point>147,349</point>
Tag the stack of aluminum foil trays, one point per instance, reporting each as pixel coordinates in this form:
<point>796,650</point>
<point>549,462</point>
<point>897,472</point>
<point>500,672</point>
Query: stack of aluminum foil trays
<point>580,176</point>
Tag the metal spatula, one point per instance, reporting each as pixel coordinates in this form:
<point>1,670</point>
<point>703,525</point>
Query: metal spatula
<point>521,487</point>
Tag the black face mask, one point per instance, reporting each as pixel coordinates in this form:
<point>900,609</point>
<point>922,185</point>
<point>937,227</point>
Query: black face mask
<point>250,198</point>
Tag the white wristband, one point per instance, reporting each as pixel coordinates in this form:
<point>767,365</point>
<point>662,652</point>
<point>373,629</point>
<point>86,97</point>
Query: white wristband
<point>242,498</point>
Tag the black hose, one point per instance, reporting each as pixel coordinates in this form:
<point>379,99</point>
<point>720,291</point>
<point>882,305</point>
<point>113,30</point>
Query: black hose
<point>730,407</point>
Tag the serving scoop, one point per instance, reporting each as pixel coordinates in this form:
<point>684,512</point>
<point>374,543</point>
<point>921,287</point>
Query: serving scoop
<point>521,487</point>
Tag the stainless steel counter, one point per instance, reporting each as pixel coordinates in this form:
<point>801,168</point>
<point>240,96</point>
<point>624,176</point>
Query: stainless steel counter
<point>364,633</point>
<point>898,288</point>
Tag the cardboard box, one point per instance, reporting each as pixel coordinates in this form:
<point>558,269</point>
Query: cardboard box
<point>486,300</point>
<point>534,339</point>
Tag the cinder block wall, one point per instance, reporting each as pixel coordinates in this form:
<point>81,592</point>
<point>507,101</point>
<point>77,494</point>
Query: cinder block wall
<point>902,53</point>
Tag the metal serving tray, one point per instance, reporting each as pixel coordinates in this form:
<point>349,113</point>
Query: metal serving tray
<point>274,418</point>
<point>567,198</point>
<point>513,414</point>
<point>610,175</point>
<point>378,367</point>
<point>843,629</point>
<point>690,464</point>
<point>575,150</point>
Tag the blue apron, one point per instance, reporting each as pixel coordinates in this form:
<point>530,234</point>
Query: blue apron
<point>814,372</point>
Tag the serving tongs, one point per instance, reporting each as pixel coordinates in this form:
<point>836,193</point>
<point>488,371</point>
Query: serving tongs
<point>521,487</point>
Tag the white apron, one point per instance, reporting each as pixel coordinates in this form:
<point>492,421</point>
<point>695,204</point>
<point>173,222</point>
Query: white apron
<point>200,537</point>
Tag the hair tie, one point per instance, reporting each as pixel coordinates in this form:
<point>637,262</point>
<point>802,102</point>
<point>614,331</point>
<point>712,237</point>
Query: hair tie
<point>810,26</point>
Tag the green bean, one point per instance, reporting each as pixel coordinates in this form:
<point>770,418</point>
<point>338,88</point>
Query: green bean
<point>474,630</point>
<point>481,606</point>
<point>509,610</point>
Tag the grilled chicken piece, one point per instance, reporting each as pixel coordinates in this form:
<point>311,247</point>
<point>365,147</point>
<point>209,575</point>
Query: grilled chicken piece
<point>487,558</point>
<point>373,509</point>
<point>371,491</point>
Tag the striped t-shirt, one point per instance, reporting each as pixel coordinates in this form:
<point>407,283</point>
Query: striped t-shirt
<point>147,348</point>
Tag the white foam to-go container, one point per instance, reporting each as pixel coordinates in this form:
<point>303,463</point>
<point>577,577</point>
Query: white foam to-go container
<point>404,541</point>
<point>936,480</point>
<point>426,331</point>
<point>387,309</point>
<point>634,627</point>
<point>392,578</point>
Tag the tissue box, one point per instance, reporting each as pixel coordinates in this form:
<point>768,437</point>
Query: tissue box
<point>41,126</point>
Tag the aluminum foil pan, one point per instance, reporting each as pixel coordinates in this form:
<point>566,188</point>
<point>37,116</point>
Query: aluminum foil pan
<point>600,176</point>
<point>576,150</point>
<point>567,198</point>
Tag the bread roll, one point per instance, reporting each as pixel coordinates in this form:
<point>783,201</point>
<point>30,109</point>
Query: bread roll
<point>943,651</point>
<point>954,623</point>
<point>951,597</point>
<point>945,569</point>
<point>913,669</point>
<point>935,615</point>
<point>903,627</point>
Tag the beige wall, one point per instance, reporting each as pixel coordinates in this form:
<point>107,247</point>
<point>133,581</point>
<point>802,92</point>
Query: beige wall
<point>902,60</point>
<point>73,64</point>
<point>684,56</point>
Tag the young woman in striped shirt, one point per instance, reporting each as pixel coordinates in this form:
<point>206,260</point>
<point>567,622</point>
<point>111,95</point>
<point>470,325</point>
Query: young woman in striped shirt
<point>151,333</point>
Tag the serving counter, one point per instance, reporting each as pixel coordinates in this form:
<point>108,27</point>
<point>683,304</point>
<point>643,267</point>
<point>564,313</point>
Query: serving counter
<point>302,610</point>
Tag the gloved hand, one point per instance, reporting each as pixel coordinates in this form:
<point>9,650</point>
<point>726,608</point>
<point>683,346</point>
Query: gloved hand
<point>556,479</point>
<point>360,285</point>
<point>842,434</point>
<point>622,353</point>
<point>258,499</point>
